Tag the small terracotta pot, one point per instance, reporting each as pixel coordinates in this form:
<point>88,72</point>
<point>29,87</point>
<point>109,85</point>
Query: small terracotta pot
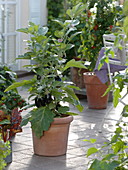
<point>94,91</point>
<point>54,141</point>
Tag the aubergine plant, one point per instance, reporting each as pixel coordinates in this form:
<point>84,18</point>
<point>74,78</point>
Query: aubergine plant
<point>48,88</point>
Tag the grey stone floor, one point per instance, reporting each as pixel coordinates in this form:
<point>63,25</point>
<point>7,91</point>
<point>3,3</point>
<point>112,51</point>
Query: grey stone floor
<point>85,125</point>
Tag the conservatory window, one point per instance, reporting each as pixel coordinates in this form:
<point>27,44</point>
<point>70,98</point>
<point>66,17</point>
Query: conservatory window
<point>7,31</point>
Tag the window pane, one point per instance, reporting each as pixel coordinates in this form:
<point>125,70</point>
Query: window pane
<point>11,18</point>
<point>35,11</point>
<point>11,48</point>
<point>2,18</point>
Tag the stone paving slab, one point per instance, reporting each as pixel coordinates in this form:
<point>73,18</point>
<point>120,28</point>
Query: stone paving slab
<point>85,126</point>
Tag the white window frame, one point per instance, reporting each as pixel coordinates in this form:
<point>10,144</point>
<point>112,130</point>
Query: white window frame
<point>6,34</point>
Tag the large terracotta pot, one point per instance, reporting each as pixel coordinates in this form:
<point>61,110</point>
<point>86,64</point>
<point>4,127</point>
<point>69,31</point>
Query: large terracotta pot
<point>94,91</point>
<point>54,141</point>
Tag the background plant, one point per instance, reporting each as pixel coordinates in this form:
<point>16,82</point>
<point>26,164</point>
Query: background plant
<point>4,151</point>
<point>96,24</point>
<point>8,102</point>
<point>113,154</point>
<point>7,77</point>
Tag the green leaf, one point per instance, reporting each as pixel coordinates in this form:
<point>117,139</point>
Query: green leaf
<point>63,109</point>
<point>42,30</point>
<point>73,35</point>
<point>73,87</point>
<point>21,83</point>
<point>90,140</point>
<point>59,34</point>
<point>117,146</point>
<point>108,156</point>
<point>69,13</point>
<point>56,93</point>
<point>114,164</point>
<point>59,22</point>
<point>5,122</point>
<point>24,30</point>
<point>76,10</point>
<point>31,23</point>
<point>71,24</point>
<point>70,30</point>
<point>117,96</point>
<point>41,120</point>
<point>71,113</point>
<point>95,165</point>
<point>80,107</point>
<point>91,151</point>
<point>25,120</point>
<point>112,54</point>
<point>71,93</point>
<point>52,106</point>
<point>73,63</point>
<point>110,87</point>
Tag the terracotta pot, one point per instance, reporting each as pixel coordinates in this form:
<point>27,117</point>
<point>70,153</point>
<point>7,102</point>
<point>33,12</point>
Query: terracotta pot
<point>94,91</point>
<point>54,141</point>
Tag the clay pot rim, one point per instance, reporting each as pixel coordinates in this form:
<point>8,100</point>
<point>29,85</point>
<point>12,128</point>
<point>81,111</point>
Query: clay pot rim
<point>63,120</point>
<point>89,74</point>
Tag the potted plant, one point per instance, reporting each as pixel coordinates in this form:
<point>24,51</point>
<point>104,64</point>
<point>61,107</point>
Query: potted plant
<point>93,24</point>
<point>50,116</point>
<point>10,116</point>
<point>97,23</point>
<point>10,101</point>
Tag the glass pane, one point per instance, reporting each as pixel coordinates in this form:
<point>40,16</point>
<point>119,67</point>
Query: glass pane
<point>1,48</point>
<point>11,18</point>
<point>35,11</point>
<point>2,18</point>
<point>11,49</point>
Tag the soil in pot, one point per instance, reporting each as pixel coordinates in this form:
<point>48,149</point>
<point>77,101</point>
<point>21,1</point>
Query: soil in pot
<point>94,91</point>
<point>54,141</point>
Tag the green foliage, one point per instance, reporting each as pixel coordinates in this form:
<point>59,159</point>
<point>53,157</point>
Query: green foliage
<point>113,154</point>
<point>4,151</point>
<point>11,100</point>
<point>125,23</point>
<point>73,63</point>
<point>7,77</point>
<point>8,101</point>
<point>55,9</point>
<point>48,88</point>
<point>96,23</point>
